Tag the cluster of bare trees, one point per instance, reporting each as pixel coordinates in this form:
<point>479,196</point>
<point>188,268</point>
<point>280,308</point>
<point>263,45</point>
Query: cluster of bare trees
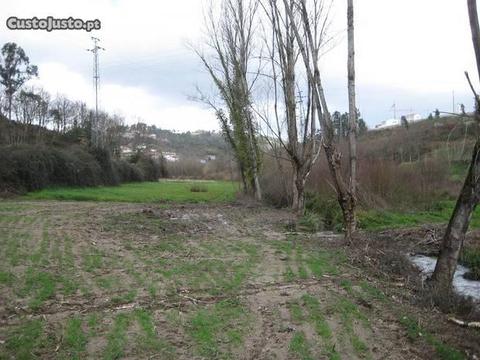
<point>281,42</point>
<point>286,52</point>
<point>39,112</point>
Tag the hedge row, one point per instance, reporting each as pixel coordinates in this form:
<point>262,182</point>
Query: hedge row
<point>27,168</point>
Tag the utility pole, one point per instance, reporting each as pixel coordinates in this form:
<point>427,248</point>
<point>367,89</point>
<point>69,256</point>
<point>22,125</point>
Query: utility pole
<point>96,80</point>
<point>453,102</point>
<point>300,98</point>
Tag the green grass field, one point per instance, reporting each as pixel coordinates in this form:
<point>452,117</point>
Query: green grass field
<point>147,192</point>
<point>389,219</point>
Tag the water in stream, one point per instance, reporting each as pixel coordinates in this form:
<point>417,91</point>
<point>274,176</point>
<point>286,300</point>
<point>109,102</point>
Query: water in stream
<point>461,285</point>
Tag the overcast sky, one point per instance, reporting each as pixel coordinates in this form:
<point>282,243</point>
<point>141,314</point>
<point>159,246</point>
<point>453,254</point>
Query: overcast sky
<point>411,52</point>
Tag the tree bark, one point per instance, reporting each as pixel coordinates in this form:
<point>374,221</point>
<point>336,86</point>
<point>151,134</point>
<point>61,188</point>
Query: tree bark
<point>298,190</point>
<point>305,43</point>
<point>454,237</point>
<point>351,221</point>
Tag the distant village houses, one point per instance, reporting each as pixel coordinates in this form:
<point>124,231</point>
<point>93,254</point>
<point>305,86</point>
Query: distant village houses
<point>390,123</point>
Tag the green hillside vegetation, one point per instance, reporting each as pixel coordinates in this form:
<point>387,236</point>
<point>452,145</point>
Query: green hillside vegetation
<point>407,176</point>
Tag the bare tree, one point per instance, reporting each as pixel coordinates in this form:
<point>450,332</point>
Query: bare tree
<point>310,38</point>
<point>302,147</point>
<point>469,197</point>
<point>230,41</point>
<point>30,107</point>
<point>63,113</point>
<point>352,115</point>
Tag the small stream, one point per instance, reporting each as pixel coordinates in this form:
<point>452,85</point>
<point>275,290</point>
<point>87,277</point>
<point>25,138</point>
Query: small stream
<point>461,285</point>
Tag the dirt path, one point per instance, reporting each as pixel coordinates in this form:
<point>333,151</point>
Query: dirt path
<point>103,280</point>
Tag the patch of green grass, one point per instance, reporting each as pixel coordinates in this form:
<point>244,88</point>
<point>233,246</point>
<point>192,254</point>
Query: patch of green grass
<point>217,275</point>
<point>323,262</point>
<point>41,285</point>
<point>15,251</point>
<point>93,324</point>
<point>40,256</point>
<point>74,339</point>
<point>347,286</point>
<point>300,347</point>
<point>348,312</point>
<point>146,192</point>
<point>284,247</point>
<point>415,331</point>
<point>218,329</point>
<point>26,340</point>
<point>125,298</point>
<point>317,319</point>
<point>315,315</point>
<point>296,312</point>
<point>372,292</point>
<point>116,338</point>
<point>149,340</point>
<point>92,260</point>
<point>6,278</point>
<point>470,257</point>
<point>388,219</point>
<point>289,275</point>
<point>458,170</point>
<point>107,281</point>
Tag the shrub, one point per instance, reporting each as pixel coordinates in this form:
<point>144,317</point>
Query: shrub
<point>470,257</point>
<point>275,183</point>
<point>327,209</point>
<point>33,167</point>
<point>128,172</point>
<point>310,222</point>
<point>108,173</point>
<point>28,168</point>
<point>198,188</point>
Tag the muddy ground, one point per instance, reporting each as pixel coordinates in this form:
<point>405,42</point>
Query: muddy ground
<point>103,280</point>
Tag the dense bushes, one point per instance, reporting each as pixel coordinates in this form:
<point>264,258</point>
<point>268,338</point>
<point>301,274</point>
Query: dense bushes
<point>191,168</point>
<point>28,168</point>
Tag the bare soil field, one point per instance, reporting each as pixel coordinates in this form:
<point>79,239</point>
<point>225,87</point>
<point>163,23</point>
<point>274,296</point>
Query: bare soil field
<point>93,280</point>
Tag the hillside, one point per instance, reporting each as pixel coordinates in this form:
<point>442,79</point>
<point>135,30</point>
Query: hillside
<point>450,138</point>
<point>199,145</point>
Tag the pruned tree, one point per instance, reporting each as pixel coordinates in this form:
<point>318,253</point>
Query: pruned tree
<point>310,37</point>
<point>230,43</point>
<point>15,70</point>
<point>469,197</point>
<point>302,142</point>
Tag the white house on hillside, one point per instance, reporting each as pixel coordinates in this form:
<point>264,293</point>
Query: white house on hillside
<point>397,122</point>
<point>385,124</point>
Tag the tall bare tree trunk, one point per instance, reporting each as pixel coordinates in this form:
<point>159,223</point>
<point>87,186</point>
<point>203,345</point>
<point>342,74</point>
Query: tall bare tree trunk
<point>255,162</point>
<point>457,227</point>
<point>298,190</point>
<point>352,131</point>
<point>302,147</point>
<point>470,194</point>
<point>309,46</point>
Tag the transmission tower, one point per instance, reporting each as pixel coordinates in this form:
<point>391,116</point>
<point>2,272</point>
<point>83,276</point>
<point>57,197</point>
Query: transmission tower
<point>96,81</point>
